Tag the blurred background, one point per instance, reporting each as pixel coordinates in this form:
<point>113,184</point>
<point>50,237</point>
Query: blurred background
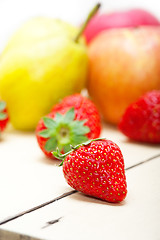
<point>14,13</point>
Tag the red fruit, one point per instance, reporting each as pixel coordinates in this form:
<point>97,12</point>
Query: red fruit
<point>72,121</point>
<point>131,18</point>
<point>96,168</point>
<point>3,116</point>
<point>141,120</point>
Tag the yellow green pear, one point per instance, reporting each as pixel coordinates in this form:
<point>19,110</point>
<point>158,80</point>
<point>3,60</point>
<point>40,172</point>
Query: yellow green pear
<point>40,65</point>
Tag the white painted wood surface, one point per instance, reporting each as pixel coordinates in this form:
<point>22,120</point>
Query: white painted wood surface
<point>28,179</point>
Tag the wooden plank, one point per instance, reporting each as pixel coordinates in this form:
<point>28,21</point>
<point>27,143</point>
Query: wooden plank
<point>83,217</point>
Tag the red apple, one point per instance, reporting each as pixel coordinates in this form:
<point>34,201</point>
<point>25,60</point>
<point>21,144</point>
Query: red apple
<point>130,18</point>
<point>123,64</point>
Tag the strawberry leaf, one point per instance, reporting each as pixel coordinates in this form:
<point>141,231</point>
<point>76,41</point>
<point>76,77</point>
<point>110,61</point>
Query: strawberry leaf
<point>51,144</point>
<point>45,133</point>
<point>79,128</point>
<point>69,116</point>
<point>49,123</point>
<point>3,116</point>
<point>2,105</point>
<point>59,117</point>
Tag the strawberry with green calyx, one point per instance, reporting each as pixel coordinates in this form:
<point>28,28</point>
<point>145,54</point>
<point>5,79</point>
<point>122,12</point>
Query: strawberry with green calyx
<point>96,168</point>
<point>63,131</point>
<point>3,116</point>
<point>72,121</point>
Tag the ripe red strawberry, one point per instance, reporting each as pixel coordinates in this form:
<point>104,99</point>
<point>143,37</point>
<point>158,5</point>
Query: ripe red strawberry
<point>3,116</point>
<point>96,168</point>
<point>141,120</point>
<point>72,121</point>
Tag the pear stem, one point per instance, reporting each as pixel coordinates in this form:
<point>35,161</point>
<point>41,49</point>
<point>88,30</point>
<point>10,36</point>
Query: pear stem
<point>90,15</point>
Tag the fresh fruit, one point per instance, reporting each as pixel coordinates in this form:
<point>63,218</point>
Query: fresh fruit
<point>3,116</point>
<point>74,120</point>
<point>141,120</point>
<point>120,19</point>
<point>123,65</point>
<point>96,168</point>
<point>40,65</point>
<point>43,62</point>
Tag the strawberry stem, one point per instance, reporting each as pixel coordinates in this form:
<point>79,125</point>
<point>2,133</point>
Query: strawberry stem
<point>62,157</point>
<point>90,15</point>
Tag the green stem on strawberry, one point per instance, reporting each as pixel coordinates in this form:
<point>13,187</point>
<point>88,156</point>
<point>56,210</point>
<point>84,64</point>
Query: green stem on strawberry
<point>62,157</point>
<point>90,15</point>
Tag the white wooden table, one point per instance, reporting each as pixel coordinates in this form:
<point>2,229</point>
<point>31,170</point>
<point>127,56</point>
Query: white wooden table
<point>28,179</point>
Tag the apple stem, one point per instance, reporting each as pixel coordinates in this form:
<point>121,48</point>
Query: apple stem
<point>90,15</point>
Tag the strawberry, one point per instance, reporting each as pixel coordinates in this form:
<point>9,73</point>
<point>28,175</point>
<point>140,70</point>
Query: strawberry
<point>3,116</point>
<point>72,121</point>
<point>141,120</point>
<point>96,168</point>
